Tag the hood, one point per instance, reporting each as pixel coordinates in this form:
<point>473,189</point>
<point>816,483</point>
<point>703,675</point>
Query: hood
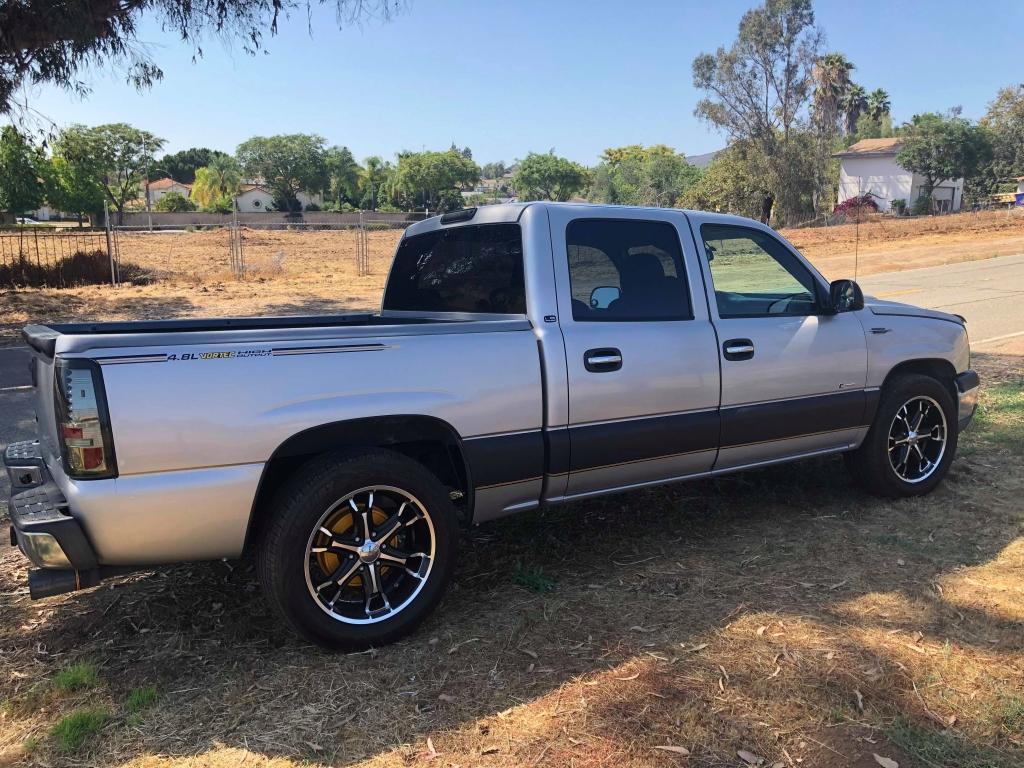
<point>882,307</point>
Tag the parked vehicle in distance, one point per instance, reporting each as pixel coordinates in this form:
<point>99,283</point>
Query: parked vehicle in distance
<point>26,220</point>
<point>524,355</point>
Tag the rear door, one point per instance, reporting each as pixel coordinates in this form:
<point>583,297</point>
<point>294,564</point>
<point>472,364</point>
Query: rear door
<point>640,349</point>
<point>793,376</point>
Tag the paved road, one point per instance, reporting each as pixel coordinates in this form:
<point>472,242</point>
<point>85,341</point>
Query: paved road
<point>989,293</point>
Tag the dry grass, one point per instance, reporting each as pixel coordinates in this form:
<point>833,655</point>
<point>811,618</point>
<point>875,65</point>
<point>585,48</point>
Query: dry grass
<point>295,272</point>
<point>778,612</point>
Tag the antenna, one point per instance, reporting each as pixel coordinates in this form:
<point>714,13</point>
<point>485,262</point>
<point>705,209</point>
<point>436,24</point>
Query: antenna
<point>856,229</point>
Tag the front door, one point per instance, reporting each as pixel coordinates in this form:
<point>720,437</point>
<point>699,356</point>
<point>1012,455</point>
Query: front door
<point>640,349</point>
<point>793,376</point>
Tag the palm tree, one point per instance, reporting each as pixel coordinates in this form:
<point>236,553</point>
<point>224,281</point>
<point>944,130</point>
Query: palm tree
<point>831,81</point>
<point>853,104</point>
<point>217,182</point>
<point>878,103</point>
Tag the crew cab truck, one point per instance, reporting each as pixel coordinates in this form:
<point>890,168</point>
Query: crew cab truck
<point>524,355</point>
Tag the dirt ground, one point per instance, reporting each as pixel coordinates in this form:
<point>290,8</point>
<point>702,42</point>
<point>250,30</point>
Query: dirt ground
<point>775,618</point>
<point>296,272</point>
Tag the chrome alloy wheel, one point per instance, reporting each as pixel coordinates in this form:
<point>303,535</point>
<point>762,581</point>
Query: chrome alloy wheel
<point>917,439</point>
<point>369,555</point>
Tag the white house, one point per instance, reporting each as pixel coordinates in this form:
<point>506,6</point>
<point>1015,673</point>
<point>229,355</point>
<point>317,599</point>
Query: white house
<point>162,187</point>
<point>255,198</point>
<point>869,168</point>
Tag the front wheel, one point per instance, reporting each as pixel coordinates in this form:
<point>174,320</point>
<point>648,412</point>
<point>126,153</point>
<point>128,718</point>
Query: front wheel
<point>912,440</point>
<point>360,549</point>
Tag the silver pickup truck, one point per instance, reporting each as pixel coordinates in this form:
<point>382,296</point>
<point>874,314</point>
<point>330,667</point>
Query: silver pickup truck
<point>524,355</point>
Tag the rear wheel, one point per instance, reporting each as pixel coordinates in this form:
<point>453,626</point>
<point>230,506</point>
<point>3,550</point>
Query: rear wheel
<point>361,548</point>
<point>912,441</point>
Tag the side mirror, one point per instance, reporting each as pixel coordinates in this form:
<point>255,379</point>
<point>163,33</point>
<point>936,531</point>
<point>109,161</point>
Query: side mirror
<point>602,296</point>
<point>845,296</point>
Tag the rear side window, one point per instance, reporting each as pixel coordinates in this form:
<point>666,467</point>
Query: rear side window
<point>622,269</point>
<point>462,269</point>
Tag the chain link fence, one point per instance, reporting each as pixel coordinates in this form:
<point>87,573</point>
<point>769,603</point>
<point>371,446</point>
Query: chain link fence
<point>260,246</point>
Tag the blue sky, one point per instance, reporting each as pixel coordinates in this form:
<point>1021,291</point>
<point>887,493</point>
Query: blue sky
<point>506,78</point>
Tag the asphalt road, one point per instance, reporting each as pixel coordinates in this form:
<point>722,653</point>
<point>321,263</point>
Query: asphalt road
<point>990,294</point>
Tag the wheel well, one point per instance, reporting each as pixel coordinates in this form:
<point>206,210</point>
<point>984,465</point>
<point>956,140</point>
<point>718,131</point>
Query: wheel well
<point>430,441</point>
<point>937,368</point>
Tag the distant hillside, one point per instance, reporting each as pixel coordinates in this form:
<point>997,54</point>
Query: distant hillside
<point>702,161</point>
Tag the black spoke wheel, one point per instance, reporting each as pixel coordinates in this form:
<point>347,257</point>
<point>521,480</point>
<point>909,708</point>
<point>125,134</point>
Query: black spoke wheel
<point>370,554</point>
<point>917,439</point>
<point>912,440</point>
<point>360,548</point>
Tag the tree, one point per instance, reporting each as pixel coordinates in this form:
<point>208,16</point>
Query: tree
<point>75,181</point>
<point>637,175</point>
<point>942,147</point>
<point>174,202</point>
<point>757,91</point>
<point>21,170</point>
<point>118,154</point>
<point>548,177</point>
<point>728,185</point>
<point>854,104</point>
<point>344,174</point>
<point>375,183</point>
<point>1004,122</point>
<point>21,165</point>
<point>878,104</point>
<point>216,185</point>
<point>52,42</point>
<point>831,75</point>
<point>434,180</point>
<point>493,170</point>
<point>182,165</point>
<point>287,164</point>
<point>869,127</point>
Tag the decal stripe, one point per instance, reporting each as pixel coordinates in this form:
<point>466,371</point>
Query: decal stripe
<point>521,456</point>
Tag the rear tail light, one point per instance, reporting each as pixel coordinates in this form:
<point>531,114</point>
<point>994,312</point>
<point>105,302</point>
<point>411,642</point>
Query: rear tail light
<point>83,424</point>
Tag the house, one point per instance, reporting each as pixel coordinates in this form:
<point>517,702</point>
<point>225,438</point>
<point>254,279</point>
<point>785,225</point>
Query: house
<point>165,186</point>
<point>869,168</point>
<point>255,198</point>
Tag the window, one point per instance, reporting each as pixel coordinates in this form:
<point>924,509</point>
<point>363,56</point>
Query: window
<point>461,269</point>
<point>755,275</point>
<point>621,270</point>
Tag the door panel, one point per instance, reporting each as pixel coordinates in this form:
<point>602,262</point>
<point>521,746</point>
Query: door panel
<point>652,414</point>
<point>792,379</point>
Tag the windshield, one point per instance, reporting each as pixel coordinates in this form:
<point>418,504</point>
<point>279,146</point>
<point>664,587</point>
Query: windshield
<point>462,269</point>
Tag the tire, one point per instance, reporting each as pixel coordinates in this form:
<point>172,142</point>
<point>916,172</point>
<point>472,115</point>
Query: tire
<point>319,569</point>
<point>894,461</point>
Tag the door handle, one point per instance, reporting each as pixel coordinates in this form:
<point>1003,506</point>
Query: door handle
<point>738,349</point>
<point>602,360</point>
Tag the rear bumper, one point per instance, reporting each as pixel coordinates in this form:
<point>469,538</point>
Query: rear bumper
<point>967,385</point>
<point>42,528</point>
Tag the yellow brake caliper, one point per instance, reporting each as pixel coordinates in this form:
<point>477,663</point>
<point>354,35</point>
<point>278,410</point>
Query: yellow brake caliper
<point>342,525</point>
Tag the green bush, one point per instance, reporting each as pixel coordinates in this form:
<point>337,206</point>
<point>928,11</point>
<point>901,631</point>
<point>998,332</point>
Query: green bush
<point>898,206</point>
<point>922,206</point>
<point>173,202</point>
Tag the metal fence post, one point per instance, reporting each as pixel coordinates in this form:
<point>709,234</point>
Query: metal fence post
<point>110,249</point>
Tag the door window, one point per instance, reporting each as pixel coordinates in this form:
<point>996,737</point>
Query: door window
<point>755,275</point>
<point>625,270</point>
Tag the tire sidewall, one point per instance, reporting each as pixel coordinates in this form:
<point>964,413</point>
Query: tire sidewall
<point>304,505</point>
